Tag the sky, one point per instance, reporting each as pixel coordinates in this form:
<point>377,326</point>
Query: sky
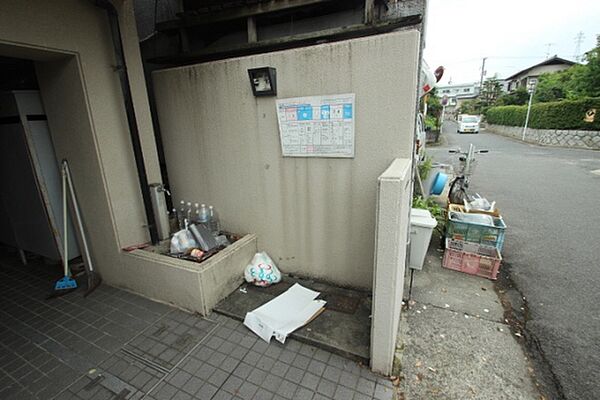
<point>512,34</point>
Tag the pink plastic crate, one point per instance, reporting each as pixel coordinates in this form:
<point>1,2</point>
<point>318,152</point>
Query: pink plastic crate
<point>481,260</point>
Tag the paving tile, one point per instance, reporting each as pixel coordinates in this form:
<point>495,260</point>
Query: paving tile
<point>366,386</point>
<point>257,376</point>
<point>310,381</point>
<point>265,363</point>
<point>205,371</point>
<point>384,392</point>
<point>262,394</point>
<point>305,394</point>
<point>247,390</point>
<point>232,384</point>
<point>348,379</point>
<point>243,370</point>
<point>287,389</point>
<point>294,374</point>
<point>332,373</point>
<point>218,377</point>
<point>193,385</point>
<point>222,395</point>
<point>316,367</point>
<point>326,388</point>
<point>206,391</point>
<point>343,393</point>
<point>301,361</point>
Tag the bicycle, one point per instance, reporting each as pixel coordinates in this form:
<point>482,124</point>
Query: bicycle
<point>459,187</point>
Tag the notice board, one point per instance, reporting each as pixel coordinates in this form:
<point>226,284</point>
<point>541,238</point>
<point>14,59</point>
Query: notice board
<point>317,126</point>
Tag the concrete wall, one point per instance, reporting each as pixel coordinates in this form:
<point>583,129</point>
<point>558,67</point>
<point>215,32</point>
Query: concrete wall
<point>551,137</point>
<point>313,216</point>
<point>71,44</point>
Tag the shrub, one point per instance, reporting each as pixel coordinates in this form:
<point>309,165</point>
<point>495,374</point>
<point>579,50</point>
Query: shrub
<point>566,114</point>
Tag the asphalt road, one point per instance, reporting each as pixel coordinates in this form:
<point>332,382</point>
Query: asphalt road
<point>550,201</point>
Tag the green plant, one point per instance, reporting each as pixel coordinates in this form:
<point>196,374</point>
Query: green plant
<point>425,167</point>
<point>566,114</point>
<point>434,208</point>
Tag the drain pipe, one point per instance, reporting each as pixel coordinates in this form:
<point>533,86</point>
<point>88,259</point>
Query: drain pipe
<point>113,18</point>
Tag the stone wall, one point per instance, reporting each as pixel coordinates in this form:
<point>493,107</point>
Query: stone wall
<point>551,137</point>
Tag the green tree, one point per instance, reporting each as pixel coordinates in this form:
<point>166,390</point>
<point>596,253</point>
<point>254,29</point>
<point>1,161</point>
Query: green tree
<point>490,91</point>
<point>574,83</point>
<point>516,98</point>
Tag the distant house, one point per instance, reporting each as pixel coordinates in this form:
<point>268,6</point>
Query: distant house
<point>531,74</point>
<point>458,93</point>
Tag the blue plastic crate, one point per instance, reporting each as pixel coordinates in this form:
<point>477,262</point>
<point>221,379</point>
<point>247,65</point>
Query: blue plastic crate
<point>477,233</point>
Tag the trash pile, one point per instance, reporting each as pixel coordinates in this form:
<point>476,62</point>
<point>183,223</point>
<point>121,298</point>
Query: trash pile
<point>197,234</point>
<point>474,238</point>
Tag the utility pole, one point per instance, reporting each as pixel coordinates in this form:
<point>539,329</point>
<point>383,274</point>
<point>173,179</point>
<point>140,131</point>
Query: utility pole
<point>531,89</point>
<point>578,41</point>
<point>482,74</point>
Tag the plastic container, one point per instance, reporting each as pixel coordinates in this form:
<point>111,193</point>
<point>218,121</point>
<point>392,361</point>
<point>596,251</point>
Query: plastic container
<point>439,183</point>
<point>213,222</point>
<point>472,258</point>
<point>421,228</point>
<point>476,233</point>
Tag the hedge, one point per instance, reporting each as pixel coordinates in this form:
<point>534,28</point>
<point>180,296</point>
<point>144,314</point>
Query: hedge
<point>566,114</point>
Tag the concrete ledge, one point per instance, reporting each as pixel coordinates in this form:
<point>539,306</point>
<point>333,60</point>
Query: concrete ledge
<point>578,139</point>
<point>197,287</point>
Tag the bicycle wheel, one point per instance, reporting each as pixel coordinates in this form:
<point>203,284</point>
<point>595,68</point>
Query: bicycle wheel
<point>457,193</point>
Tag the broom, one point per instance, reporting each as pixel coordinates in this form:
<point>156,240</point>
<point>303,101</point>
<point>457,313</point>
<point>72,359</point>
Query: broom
<point>66,284</point>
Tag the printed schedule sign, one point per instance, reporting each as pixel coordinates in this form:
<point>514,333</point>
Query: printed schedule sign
<point>317,126</point>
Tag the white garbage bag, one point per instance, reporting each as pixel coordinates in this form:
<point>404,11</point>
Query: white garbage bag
<point>182,241</point>
<point>262,271</point>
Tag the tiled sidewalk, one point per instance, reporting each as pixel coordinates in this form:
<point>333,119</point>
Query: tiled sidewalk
<point>116,345</point>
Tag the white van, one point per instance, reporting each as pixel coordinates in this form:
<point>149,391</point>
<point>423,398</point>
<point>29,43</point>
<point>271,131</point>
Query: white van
<point>468,124</point>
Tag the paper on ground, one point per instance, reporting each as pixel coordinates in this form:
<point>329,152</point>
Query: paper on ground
<point>285,313</point>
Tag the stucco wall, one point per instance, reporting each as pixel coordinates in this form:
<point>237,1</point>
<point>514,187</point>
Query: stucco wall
<point>551,137</point>
<point>314,216</point>
<point>70,42</point>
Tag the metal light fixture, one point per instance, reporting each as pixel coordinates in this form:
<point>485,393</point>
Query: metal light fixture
<point>263,81</point>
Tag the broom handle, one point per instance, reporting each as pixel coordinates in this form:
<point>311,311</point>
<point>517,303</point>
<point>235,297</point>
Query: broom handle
<point>65,238</point>
<point>86,250</point>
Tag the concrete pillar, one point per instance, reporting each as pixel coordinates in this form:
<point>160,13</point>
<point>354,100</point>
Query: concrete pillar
<point>391,235</point>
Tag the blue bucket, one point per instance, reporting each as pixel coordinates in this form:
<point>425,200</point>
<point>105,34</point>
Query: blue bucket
<point>439,183</point>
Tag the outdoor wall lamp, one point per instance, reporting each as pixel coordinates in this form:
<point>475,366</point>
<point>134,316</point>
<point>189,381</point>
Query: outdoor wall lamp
<point>263,81</point>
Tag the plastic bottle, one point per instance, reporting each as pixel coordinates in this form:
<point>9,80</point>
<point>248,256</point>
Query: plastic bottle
<point>196,216</point>
<point>181,214</point>
<point>203,216</point>
<point>188,212</point>
<point>213,223</point>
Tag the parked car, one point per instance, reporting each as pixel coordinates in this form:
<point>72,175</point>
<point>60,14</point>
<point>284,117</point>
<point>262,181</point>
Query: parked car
<point>468,124</point>
<point>420,137</point>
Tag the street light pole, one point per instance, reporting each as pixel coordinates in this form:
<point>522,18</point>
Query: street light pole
<point>531,91</point>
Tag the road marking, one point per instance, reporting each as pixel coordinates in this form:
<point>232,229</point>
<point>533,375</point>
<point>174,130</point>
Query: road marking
<point>596,172</point>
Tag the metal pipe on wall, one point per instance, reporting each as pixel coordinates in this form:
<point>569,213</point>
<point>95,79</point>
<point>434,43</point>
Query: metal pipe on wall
<point>113,18</point>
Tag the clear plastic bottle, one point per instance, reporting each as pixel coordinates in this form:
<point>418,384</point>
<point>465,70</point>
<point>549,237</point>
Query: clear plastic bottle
<point>189,212</point>
<point>196,216</point>
<point>203,216</point>
<point>213,223</point>
<point>181,214</point>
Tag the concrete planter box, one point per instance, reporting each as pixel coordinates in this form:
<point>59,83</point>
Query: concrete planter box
<point>193,286</point>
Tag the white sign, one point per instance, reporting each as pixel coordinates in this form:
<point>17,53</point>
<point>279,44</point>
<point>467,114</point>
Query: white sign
<point>318,126</point>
